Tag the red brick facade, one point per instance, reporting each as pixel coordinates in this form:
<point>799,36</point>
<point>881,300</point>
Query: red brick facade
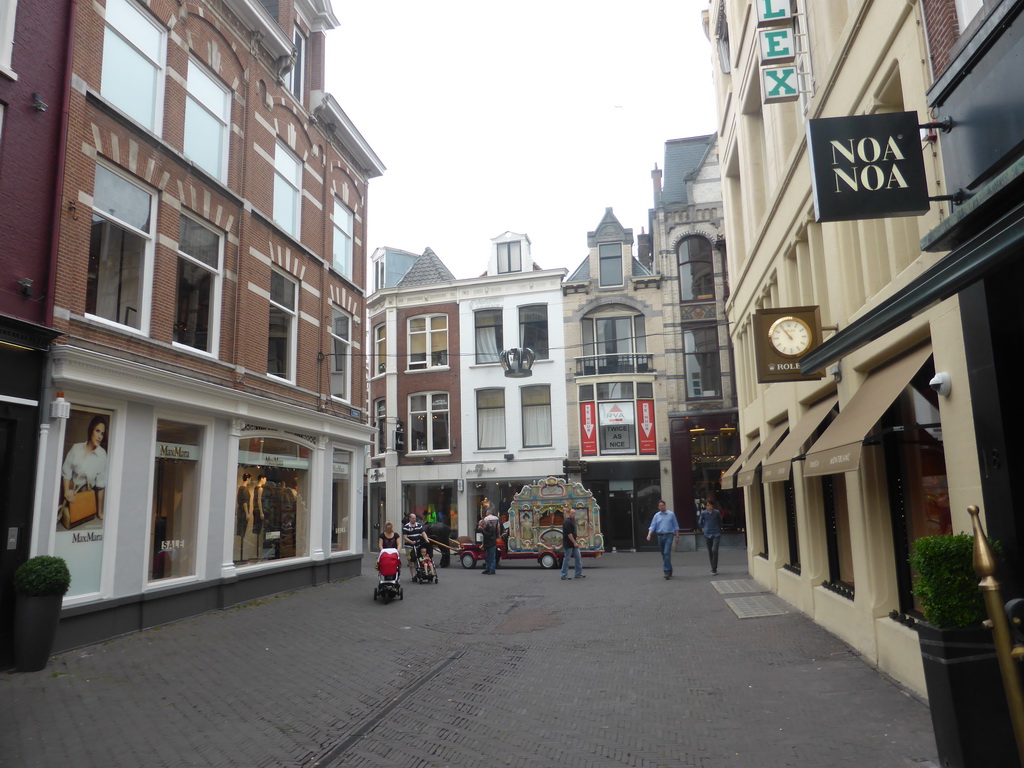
<point>943,31</point>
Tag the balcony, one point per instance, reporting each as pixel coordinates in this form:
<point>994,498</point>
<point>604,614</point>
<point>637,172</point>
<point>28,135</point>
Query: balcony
<point>603,365</point>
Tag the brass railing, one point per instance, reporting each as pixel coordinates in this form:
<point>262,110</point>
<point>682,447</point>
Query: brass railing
<point>1006,650</point>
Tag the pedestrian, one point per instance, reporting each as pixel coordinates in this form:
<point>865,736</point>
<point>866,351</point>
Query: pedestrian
<point>710,521</point>
<point>488,526</point>
<point>664,524</point>
<point>570,546</point>
<point>415,537</point>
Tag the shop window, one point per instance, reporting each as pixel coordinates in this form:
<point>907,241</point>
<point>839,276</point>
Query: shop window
<point>610,260</point>
<point>431,502</point>
<point>489,337</point>
<point>837,534</point>
<point>616,419</point>
<point>702,360</point>
<point>120,250</point>
<point>270,512</point>
<point>696,273</point>
<point>281,331</point>
<point>175,521</point>
<point>198,289</point>
<point>536,416</point>
<point>287,190</point>
<point>428,422</point>
<point>344,225</point>
<point>341,501</point>
<point>915,466</point>
<point>428,342</point>
<point>133,62</point>
<point>792,529</point>
<point>510,258</point>
<point>341,365</point>
<point>490,419</point>
<point>533,329</point>
<point>207,122</point>
<point>380,349</point>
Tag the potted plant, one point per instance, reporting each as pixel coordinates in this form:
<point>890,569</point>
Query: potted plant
<point>965,690</point>
<point>40,584</point>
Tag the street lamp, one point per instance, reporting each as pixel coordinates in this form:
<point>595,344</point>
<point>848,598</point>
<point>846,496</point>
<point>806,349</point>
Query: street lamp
<point>518,363</point>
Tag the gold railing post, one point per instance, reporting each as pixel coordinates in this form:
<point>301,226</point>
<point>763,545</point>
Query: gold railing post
<point>985,567</point>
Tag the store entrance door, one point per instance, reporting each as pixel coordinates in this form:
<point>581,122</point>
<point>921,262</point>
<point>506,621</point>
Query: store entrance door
<point>619,515</point>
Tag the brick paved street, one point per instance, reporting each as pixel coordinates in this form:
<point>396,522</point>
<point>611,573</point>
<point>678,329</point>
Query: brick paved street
<point>520,669</point>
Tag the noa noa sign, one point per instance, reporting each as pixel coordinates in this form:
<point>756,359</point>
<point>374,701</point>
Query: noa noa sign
<point>867,167</point>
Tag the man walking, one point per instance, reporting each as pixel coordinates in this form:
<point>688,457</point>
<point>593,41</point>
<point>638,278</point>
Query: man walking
<point>570,546</point>
<point>710,521</point>
<point>489,527</point>
<point>664,524</point>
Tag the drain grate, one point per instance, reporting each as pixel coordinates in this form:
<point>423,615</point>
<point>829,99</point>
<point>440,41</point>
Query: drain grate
<point>756,606</point>
<point>737,586</point>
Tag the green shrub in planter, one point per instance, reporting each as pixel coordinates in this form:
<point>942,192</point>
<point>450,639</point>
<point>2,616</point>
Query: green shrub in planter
<point>42,576</point>
<point>946,582</point>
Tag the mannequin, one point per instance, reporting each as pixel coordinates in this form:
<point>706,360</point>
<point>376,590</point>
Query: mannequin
<point>257,512</point>
<point>243,512</point>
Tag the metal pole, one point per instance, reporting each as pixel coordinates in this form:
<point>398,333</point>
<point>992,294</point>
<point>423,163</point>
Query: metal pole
<point>985,566</point>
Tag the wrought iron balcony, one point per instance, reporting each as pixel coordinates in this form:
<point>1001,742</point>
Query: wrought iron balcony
<point>601,365</point>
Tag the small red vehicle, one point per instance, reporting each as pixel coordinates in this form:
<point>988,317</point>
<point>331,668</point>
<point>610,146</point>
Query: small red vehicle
<point>535,525</point>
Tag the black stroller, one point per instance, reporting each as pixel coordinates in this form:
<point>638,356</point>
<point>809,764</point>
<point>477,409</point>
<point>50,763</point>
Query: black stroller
<point>389,576</point>
<point>425,570</point>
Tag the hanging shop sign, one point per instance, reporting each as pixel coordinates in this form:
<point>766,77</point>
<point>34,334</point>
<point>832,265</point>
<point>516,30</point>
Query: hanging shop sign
<point>867,167</point>
<point>648,438</point>
<point>776,38</point>
<point>588,429</point>
<point>781,337</point>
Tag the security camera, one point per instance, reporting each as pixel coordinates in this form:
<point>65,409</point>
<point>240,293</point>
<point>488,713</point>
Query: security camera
<point>942,384</point>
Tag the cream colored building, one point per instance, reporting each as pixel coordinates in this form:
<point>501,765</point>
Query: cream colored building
<point>851,467</point>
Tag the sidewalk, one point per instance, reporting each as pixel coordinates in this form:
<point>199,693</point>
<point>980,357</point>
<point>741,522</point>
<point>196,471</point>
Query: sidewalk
<point>519,669</point>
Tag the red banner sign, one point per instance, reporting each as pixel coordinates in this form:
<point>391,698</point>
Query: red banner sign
<point>588,429</point>
<point>647,436</point>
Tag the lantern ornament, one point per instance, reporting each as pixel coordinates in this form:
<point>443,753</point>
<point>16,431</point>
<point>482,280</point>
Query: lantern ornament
<point>518,363</point>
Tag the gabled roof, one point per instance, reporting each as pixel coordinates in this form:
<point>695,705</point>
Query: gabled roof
<point>428,269</point>
<point>683,157</point>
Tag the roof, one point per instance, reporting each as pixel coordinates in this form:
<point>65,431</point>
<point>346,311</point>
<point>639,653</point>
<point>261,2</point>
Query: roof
<point>682,159</point>
<point>428,269</point>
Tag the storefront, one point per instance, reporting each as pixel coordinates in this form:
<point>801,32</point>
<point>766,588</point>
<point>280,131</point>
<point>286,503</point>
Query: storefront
<point>164,510</point>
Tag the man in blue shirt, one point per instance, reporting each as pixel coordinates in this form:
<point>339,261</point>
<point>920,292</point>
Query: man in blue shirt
<point>664,524</point>
<point>710,521</point>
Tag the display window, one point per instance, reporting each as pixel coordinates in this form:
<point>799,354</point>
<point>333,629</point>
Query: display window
<point>341,501</point>
<point>496,496</point>
<point>172,552</point>
<point>432,503</point>
<point>270,512</point>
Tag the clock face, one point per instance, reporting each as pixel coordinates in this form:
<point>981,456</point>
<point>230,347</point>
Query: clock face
<point>790,336</point>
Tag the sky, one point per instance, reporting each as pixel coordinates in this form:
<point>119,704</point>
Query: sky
<point>530,117</point>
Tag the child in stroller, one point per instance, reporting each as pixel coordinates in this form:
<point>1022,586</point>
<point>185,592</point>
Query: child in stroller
<point>425,571</point>
<point>389,575</point>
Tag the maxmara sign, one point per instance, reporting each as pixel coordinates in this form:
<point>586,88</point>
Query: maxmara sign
<point>867,167</point>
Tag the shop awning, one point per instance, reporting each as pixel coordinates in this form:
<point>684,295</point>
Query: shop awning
<point>779,463</point>
<point>729,478</point>
<point>839,449</point>
<point>745,477</point>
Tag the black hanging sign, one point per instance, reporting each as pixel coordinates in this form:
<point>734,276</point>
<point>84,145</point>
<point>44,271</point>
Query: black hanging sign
<point>867,167</point>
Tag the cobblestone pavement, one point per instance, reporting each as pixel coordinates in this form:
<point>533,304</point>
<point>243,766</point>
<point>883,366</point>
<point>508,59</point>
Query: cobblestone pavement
<point>622,668</point>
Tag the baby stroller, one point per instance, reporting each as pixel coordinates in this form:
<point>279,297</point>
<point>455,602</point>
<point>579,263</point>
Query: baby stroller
<point>425,571</point>
<point>389,576</point>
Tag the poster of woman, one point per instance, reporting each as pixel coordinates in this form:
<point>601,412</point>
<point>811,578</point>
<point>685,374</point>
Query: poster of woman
<point>83,473</point>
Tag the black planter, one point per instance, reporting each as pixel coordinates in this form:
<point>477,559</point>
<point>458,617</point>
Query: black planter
<point>966,697</point>
<point>35,629</point>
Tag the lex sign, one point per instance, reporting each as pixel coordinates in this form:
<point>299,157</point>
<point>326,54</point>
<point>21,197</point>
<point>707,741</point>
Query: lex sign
<point>867,167</point>
<point>778,51</point>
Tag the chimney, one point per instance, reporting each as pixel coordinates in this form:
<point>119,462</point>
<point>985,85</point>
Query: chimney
<point>656,179</point>
<point>644,250</point>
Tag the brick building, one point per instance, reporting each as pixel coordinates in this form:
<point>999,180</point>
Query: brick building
<point>210,286</point>
<point>34,41</point>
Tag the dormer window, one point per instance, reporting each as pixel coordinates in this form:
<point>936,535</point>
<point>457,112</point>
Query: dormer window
<point>510,257</point>
<point>610,256</point>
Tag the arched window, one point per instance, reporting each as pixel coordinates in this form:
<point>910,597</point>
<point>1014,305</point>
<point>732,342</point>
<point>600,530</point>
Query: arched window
<point>696,272</point>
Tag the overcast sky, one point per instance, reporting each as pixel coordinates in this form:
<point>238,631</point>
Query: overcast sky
<point>531,117</point>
